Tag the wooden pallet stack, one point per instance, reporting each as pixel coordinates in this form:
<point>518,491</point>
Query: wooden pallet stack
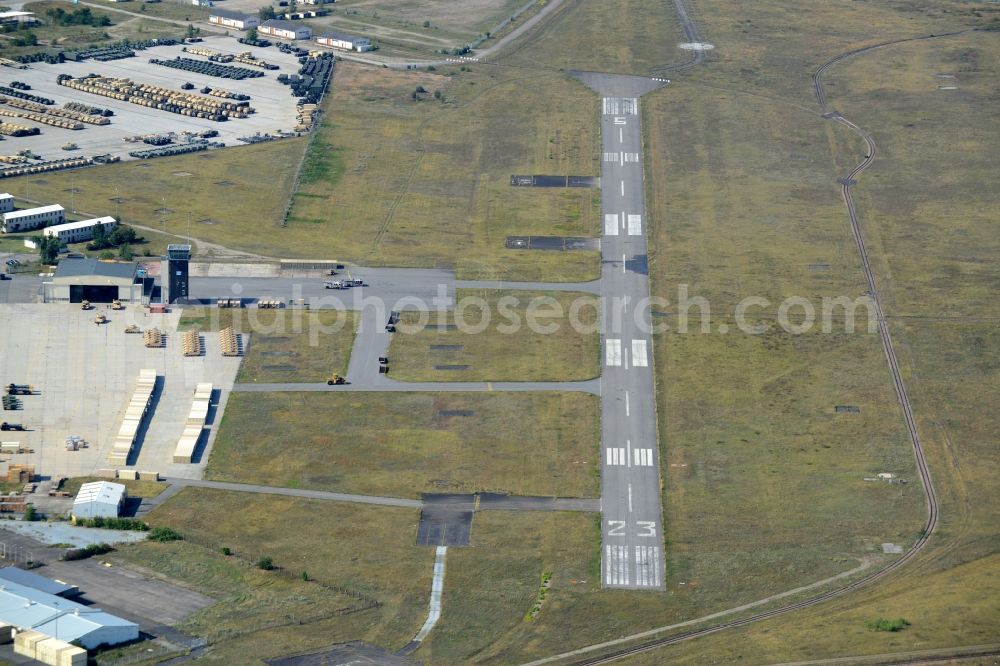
<point>194,424</point>
<point>153,338</point>
<point>134,414</point>
<point>229,342</point>
<point>191,343</point>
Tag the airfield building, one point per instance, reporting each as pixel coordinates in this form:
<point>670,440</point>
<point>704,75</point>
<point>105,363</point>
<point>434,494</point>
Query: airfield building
<point>78,279</point>
<point>77,232</point>
<point>285,29</point>
<point>99,499</point>
<point>33,218</point>
<point>339,40</point>
<point>231,19</point>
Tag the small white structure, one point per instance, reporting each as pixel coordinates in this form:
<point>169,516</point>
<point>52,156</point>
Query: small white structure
<point>285,29</point>
<point>77,232</point>
<point>9,18</point>
<point>231,19</point>
<point>339,40</point>
<point>99,499</point>
<point>32,218</point>
<point>6,202</point>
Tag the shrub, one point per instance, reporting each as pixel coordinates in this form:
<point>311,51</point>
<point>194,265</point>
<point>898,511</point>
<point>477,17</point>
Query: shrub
<point>226,551</point>
<point>30,514</point>
<point>265,563</point>
<point>84,553</point>
<point>885,624</point>
<point>163,534</point>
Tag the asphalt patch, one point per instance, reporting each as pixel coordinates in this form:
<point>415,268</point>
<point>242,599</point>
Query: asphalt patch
<point>445,520</point>
<point>224,183</point>
<point>441,327</point>
<point>451,367</point>
<point>278,353</point>
<point>847,409</point>
<point>551,243</point>
<point>553,181</point>
<point>638,264</point>
<point>279,368</point>
<point>164,210</point>
<point>447,347</point>
<point>353,653</point>
<point>445,413</point>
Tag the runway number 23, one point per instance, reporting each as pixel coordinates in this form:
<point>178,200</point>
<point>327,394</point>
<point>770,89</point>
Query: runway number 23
<point>647,528</point>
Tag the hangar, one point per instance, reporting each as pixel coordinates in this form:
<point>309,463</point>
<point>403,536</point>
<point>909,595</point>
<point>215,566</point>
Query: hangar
<point>80,279</point>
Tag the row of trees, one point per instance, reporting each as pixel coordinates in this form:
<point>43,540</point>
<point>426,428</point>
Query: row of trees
<point>81,16</point>
<point>121,237</point>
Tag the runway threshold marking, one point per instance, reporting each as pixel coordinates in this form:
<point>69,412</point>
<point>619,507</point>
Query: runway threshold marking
<point>635,225</point>
<point>616,565</point>
<point>642,457</point>
<point>639,355</point>
<point>616,456</point>
<point>611,224</point>
<point>613,352</point>
<point>647,566</point>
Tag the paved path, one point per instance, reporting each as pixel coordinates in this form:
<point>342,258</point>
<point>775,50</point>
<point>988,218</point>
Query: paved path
<point>296,492</point>
<point>588,386</point>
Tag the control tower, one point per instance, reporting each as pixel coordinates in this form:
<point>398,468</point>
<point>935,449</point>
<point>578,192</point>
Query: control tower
<point>176,282</point>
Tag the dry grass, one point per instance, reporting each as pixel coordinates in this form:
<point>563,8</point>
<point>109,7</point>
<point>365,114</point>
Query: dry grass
<point>353,555</point>
<point>400,444</point>
<point>134,487</point>
<point>497,353</point>
<point>426,183</point>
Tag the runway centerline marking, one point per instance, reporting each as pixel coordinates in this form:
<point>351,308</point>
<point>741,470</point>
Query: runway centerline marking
<point>623,188</point>
<point>630,498</point>
<point>626,403</point>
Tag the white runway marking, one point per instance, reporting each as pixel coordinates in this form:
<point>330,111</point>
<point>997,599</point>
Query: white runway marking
<point>624,264</point>
<point>635,225</point>
<point>628,452</point>
<point>612,157</point>
<point>642,457</point>
<point>621,135</point>
<point>639,358</point>
<point>616,565</point>
<point>623,188</point>
<point>626,403</point>
<point>611,224</point>
<point>628,158</point>
<point>616,456</point>
<point>647,566</point>
<point>630,498</point>
<point>620,106</point>
<point>613,355</point>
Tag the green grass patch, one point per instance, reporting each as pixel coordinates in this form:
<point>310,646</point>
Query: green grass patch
<point>400,444</point>
<point>503,336</point>
<point>309,352</point>
<point>134,487</point>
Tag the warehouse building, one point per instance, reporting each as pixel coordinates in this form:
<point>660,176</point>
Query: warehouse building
<point>77,232</point>
<point>6,202</point>
<point>27,608</point>
<point>79,279</point>
<point>231,19</point>
<point>41,583</point>
<point>32,218</point>
<point>13,18</point>
<point>285,29</point>
<point>99,499</point>
<point>339,40</point>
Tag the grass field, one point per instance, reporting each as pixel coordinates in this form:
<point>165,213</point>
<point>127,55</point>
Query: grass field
<point>626,37</point>
<point>283,345</point>
<point>222,202</point>
<point>463,21</point>
<point>400,444</point>
<point>393,181</point>
<point>134,487</point>
<point>353,555</point>
<point>499,353</point>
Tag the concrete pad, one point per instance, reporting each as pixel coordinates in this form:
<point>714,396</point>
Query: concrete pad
<point>86,374</point>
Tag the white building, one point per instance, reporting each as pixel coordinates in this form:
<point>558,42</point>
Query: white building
<point>99,499</point>
<point>77,232</point>
<point>231,19</point>
<point>28,608</point>
<point>339,40</point>
<point>285,29</point>
<point>32,218</point>
<point>8,18</point>
<point>6,202</point>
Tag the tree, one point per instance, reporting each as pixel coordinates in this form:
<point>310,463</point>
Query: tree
<point>125,252</point>
<point>266,13</point>
<point>437,94</point>
<point>123,235</point>
<point>48,248</point>
<point>252,34</point>
<point>100,238</point>
<point>29,513</point>
<point>265,563</point>
<point>191,31</point>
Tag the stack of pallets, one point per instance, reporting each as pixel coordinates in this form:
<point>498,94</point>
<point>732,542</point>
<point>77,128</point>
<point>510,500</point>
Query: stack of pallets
<point>134,414</point>
<point>153,338</point>
<point>229,342</point>
<point>191,343</point>
<point>194,424</point>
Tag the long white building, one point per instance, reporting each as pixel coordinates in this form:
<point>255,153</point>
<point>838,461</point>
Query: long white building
<point>339,40</point>
<point>99,499</point>
<point>285,29</point>
<point>6,202</point>
<point>231,19</point>
<point>77,232</point>
<point>32,218</point>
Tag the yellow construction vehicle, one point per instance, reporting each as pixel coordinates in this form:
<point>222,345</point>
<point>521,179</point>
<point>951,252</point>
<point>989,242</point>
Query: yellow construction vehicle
<point>335,379</point>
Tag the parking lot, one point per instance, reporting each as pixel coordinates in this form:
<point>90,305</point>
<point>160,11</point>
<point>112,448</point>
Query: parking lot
<point>84,375</point>
<point>275,106</point>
